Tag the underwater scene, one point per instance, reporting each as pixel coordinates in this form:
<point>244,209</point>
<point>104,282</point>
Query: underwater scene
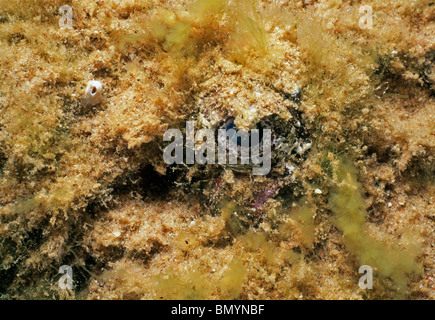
<point>217,150</point>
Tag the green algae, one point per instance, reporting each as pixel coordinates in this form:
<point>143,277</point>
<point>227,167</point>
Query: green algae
<point>238,26</point>
<point>350,217</point>
<point>35,141</point>
<point>231,284</point>
<point>199,284</point>
<point>191,285</point>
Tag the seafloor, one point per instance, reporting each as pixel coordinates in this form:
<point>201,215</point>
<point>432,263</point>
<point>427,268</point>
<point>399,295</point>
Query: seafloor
<point>347,90</point>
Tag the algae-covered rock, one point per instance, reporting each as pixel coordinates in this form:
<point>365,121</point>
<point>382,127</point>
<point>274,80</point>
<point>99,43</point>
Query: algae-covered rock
<point>85,101</point>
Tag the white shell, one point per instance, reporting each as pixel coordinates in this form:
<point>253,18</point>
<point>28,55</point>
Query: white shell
<point>93,95</point>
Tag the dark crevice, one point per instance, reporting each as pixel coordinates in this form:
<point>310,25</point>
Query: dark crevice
<point>7,276</point>
<point>395,81</point>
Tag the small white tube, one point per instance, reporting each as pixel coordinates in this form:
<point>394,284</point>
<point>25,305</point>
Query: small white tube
<point>93,94</point>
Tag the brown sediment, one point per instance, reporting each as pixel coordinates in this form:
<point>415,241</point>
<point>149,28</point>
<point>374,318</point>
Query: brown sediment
<point>88,187</point>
